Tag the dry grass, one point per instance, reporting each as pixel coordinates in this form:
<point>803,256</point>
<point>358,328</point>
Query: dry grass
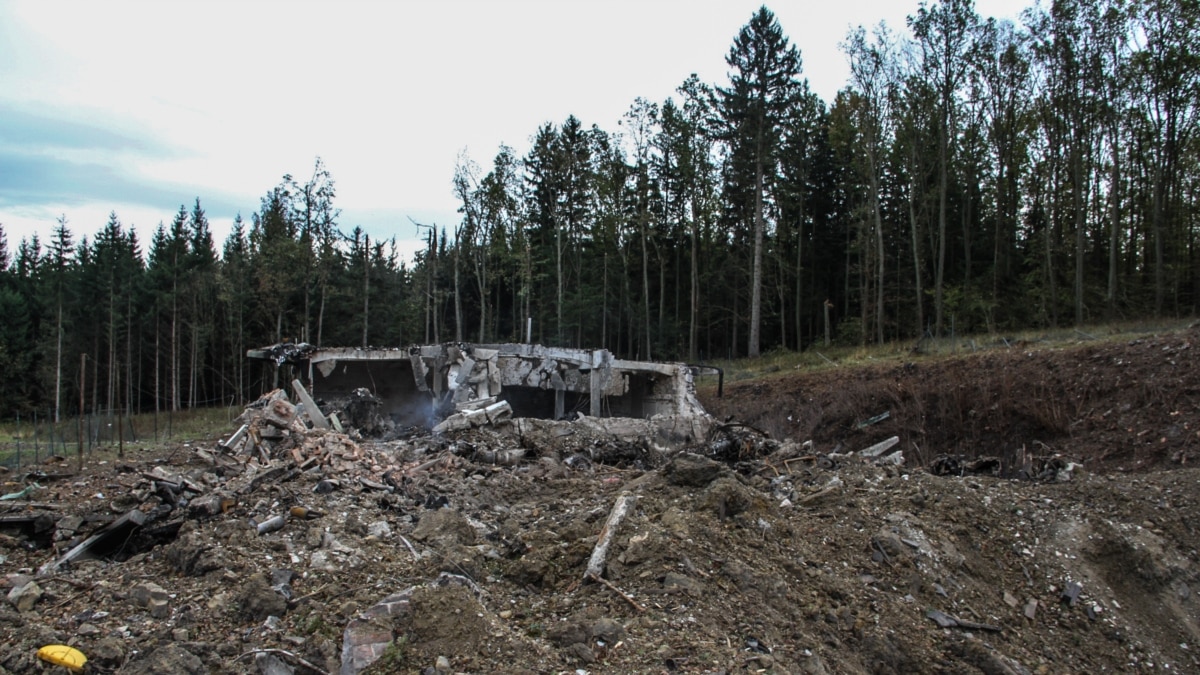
<point>820,357</point>
<point>142,432</point>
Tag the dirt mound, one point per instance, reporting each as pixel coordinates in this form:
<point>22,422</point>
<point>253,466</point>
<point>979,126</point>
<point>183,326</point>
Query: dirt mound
<point>746,553</point>
<point>1120,406</point>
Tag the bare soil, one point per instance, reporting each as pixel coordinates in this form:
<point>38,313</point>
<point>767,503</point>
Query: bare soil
<point>1073,550</point>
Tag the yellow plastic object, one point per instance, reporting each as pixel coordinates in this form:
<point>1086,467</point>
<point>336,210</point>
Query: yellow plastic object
<point>61,655</point>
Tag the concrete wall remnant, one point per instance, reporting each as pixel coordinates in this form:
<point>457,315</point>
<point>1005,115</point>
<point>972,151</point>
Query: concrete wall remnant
<point>423,385</point>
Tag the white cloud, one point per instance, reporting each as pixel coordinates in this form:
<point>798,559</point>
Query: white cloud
<point>387,93</point>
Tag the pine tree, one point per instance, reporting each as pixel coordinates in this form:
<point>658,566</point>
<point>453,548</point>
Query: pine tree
<point>763,87</point>
<point>58,270</point>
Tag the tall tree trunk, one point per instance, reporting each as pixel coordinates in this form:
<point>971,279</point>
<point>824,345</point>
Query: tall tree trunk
<point>646,286</point>
<point>914,229</point>
<point>129,352</point>
<point>752,349</point>
<point>321,315</point>
<point>278,339</point>
<point>604,307</point>
<point>193,362</point>
<point>112,343</point>
<point>1080,203</point>
<point>458,315</point>
<point>1050,280</point>
<point>1000,236</point>
<point>157,366</point>
<point>1156,226</point>
<point>175,391</point>
<point>864,280</point>
<point>304,335</point>
<point>943,188</point>
<point>797,301</point>
<point>367,291</point>
<point>879,274</point>
<point>1114,226</point>
<point>694,309</point>
<point>968,203</point>
<point>58,364</point>
<point>781,291</point>
<point>877,217</point>
<point>558,276</point>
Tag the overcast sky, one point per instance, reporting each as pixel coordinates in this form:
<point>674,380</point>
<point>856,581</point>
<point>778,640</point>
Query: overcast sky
<point>139,107</point>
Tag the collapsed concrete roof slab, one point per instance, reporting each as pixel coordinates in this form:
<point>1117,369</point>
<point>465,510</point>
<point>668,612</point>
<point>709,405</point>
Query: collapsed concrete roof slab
<point>423,385</point>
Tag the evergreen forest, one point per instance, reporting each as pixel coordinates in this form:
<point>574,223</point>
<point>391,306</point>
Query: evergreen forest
<point>973,175</point>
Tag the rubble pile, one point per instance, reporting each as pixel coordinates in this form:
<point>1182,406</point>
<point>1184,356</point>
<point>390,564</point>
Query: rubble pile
<point>545,546</point>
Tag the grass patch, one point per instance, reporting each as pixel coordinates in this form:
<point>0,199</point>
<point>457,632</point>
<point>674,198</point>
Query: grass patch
<point>103,434</point>
<point>780,362</point>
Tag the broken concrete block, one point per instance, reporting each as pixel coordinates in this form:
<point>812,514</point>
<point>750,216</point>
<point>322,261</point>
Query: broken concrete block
<point>150,595</point>
<point>236,438</point>
<point>279,414</point>
<point>894,459</point>
<point>67,527</point>
<point>880,448</point>
<point>159,609</point>
<point>25,596</point>
<point>380,529</point>
<point>310,406</point>
<point>693,470</point>
<point>210,505</point>
<point>498,412</point>
<point>476,404</point>
<point>367,636</point>
<point>319,560</point>
<point>269,664</point>
<point>1031,609</point>
<point>455,422</point>
<point>476,418</point>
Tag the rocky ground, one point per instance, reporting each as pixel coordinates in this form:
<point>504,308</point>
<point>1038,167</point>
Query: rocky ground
<point>1042,522</point>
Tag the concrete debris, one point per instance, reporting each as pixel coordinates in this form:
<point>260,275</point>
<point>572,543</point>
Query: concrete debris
<point>310,406</point>
<point>25,595</point>
<point>947,621</point>
<point>23,493</point>
<point>369,633</point>
<point>445,386</point>
<point>102,543</point>
<point>715,546</point>
<point>494,414</point>
<point>880,448</point>
<point>598,559</point>
<point>153,597</point>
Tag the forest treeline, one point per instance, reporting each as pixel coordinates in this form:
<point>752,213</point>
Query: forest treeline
<point>973,175</point>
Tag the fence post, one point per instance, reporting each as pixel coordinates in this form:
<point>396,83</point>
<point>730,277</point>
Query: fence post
<point>36,459</point>
<point>18,442</point>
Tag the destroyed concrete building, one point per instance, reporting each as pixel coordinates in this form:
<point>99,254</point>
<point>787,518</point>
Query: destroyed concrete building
<point>456,386</point>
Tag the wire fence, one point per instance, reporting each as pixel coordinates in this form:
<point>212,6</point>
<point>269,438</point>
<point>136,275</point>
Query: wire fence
<point>29,440</point>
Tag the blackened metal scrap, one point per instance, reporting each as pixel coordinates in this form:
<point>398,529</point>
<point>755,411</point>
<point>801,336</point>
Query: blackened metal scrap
<point>736,441</point>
